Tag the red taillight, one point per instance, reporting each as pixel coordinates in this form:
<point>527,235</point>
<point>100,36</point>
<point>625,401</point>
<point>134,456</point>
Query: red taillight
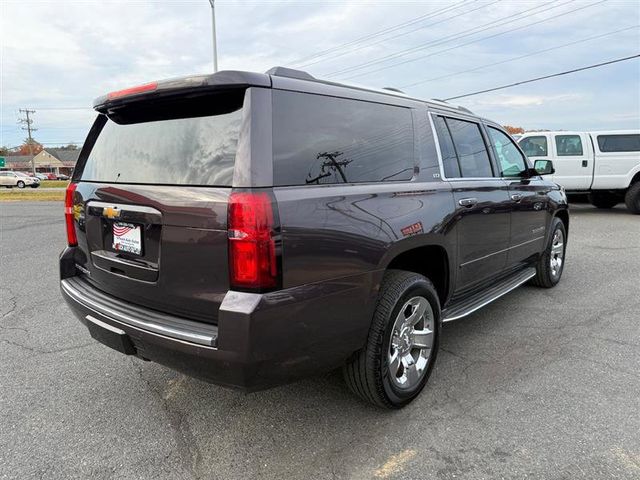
<point>72,239</point>
<point>252,248</point>
<point>147,87</point>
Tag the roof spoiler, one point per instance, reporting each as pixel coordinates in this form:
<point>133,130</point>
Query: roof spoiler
<point>176,86</point>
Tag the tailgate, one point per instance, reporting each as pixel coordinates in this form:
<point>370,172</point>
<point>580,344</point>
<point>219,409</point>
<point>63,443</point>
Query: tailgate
<point>180,266</point>
<point>150,201</point>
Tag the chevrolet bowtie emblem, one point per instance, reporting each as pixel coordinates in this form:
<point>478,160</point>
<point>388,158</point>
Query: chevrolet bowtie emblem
<point>110,212</point>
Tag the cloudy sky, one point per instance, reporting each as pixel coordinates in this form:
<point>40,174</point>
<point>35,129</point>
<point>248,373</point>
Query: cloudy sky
<point>57,56</point>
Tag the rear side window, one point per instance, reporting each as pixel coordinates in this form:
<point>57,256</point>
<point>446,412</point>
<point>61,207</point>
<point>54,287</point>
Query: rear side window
<point>327,140</point>
<point>619,143</point>
<point>447,150</point>
<point>568,145</point>
<point>534,146</point>
<point>469,146</point>
<point>188,142</point>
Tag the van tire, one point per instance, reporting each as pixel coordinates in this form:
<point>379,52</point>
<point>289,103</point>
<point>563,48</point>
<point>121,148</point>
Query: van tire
<point>367,372</point>
<point>603,200</point>
<point>632,198</point>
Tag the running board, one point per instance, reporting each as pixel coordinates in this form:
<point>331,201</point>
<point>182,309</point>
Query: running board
<point>485,297</point>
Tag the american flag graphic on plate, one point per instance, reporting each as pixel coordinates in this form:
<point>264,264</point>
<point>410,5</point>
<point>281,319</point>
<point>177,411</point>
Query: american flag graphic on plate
<point>127,237</point>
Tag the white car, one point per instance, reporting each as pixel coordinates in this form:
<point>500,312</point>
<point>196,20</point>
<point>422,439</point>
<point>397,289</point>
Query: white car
<point>11,179</point>
<point>604,164</point>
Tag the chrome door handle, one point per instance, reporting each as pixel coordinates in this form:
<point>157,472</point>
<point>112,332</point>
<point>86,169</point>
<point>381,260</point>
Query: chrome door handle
<point>516,197</point>
<point>467,202</point>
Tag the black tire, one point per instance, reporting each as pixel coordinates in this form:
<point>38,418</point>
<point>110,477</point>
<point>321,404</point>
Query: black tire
<point>603,200</point>
<point>546,277</point>
<point>34,185</point>
<point>367,373</point>
<point>632,198</point>
<point>20,184</point>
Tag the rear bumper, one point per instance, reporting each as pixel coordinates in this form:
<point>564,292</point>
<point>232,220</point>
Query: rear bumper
<point>261,340</point>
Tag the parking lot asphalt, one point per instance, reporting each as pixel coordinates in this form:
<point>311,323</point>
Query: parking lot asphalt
<point>539,384</point>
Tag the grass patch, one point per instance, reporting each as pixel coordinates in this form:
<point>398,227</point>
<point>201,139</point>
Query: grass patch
<point>30,194</point>
<point>54,183</point>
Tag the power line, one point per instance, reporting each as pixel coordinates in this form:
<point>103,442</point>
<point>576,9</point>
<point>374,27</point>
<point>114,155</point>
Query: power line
<point>519,57</point>
<point>451,37</point>
<point>367,45</point>
<point>393,28</point>
<point>544,77</point>
<point>476,40</point>
<point>65,108</point>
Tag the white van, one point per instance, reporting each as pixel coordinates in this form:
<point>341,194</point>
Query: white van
<point>604,164</point>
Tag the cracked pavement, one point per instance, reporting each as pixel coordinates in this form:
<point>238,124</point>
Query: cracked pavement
<point>539,384</point>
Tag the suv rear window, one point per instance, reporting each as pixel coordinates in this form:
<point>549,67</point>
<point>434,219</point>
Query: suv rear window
<point>324,140</point>
<point>188,142</point>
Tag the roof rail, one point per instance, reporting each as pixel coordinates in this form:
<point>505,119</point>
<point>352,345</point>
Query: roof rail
<point>290,72</point>
<point>459,107</point>
<point>393,89</point>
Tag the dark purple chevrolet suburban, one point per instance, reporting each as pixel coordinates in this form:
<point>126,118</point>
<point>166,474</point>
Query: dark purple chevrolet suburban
<point>251,229</point>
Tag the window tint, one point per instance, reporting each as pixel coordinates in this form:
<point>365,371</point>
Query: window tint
<point>511,161</point>
<point>568,145</point>
<point>150,145</point>
<point>534,146</point>
<point>449,157</point>
<point>324,140</point>
<point>619,143</point>
<point>470,148</point>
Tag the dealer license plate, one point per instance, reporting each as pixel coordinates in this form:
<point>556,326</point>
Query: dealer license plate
<point>127,237</point>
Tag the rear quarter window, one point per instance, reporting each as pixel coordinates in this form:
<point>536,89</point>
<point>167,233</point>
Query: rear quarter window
<point>619,143</point>
<point>327,140</point>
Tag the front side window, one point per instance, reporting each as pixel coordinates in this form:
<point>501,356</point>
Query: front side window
<point>471,150</point>
<point>568,145</point>
<point>511,161</point>
<point>327,140</point>
<point>534,146</point>
<point>619,143</point>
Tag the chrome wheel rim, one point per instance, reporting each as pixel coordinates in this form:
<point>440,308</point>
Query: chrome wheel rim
<point>557,253</point>
<point>411,343</point>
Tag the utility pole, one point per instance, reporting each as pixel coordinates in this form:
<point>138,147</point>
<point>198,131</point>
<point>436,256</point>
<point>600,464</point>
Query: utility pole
<point>27,122</point>
<point>215,43</point>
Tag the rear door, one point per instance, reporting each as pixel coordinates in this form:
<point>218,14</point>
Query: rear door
<point>151,202</point>
<point>482,200</point>
<point>573,161</point>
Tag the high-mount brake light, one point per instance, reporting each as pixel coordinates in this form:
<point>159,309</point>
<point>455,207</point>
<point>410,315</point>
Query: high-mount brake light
<point>147,87</point>
<point>72,238</point>
<point>252,249</point>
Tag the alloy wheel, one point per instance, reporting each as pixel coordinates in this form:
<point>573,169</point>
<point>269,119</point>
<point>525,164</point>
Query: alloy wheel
<point>411,343</point>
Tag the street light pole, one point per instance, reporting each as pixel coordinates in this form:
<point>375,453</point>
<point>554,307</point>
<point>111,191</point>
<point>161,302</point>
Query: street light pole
<point>215,43</point>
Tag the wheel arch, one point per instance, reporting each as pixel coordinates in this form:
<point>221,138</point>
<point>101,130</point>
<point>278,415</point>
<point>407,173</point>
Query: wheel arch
<point>563,215</point>
<point>430,260</point>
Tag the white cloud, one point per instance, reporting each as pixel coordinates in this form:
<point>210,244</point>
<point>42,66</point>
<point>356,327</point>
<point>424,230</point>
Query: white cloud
<point>527,100</point>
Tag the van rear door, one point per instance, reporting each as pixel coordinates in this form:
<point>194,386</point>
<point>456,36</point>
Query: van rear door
<point>150,204</point>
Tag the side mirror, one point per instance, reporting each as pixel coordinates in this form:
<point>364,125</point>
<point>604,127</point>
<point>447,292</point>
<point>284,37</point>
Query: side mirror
<point>544,167</point>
